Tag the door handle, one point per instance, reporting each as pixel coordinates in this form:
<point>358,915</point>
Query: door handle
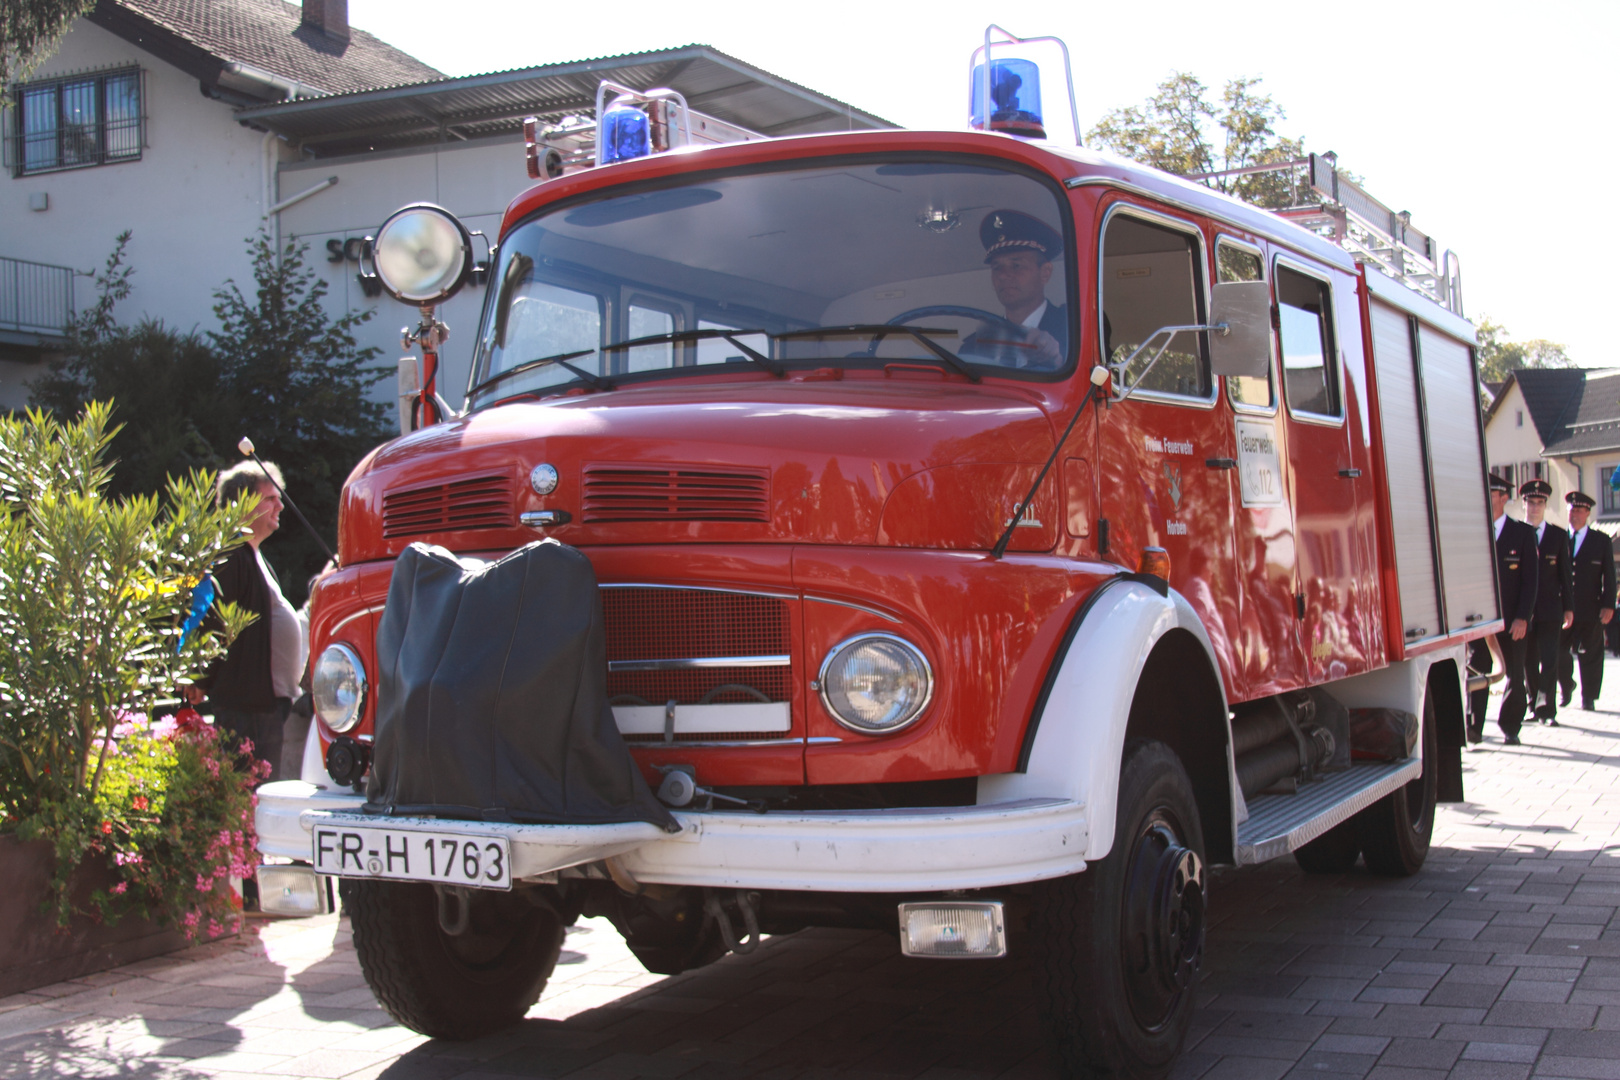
<point>1220,463</point>
<point>1349,474</point>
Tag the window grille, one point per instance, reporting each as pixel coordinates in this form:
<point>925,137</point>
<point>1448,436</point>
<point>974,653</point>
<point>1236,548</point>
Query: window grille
<point>76,121</point>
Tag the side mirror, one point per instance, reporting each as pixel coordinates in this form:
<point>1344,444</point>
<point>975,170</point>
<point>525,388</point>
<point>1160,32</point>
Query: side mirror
<point>1245,346</point>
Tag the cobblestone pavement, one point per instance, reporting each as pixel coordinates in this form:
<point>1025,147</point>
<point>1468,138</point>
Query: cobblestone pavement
<point>1500,961</point>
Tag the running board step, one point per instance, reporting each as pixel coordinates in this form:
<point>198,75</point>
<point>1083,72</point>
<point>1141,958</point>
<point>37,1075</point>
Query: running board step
<point>1279,824</point>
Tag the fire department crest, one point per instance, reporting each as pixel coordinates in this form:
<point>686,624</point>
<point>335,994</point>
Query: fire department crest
<point>1172,473</point>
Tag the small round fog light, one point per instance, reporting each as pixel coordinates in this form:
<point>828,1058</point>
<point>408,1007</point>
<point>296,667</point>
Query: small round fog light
<point>876,683</point>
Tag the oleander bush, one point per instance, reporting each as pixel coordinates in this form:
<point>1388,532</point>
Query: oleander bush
<point>106,610</point>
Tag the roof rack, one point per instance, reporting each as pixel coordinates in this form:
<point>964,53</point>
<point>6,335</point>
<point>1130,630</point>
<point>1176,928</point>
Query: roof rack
<point>1335,207</point>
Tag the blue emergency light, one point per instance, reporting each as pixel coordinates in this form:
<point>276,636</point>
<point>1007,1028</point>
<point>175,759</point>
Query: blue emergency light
<point>625,133</point>
<point>1015,93</point>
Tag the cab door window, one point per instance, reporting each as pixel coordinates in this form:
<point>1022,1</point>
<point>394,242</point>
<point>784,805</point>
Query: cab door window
<point>1305,335</point>
<point>1233,263</point>
<point>644,318</point>
<point>1150,279</point>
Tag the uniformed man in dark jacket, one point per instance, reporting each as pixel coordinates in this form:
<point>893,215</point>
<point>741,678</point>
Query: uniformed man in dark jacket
<point>1554,602</point>
<point>1593,555</point>
<point>1517,579</point>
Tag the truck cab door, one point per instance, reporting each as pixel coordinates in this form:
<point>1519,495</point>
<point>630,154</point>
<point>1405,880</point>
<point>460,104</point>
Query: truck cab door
<point>1162,452</point>
<point>1328,466</point>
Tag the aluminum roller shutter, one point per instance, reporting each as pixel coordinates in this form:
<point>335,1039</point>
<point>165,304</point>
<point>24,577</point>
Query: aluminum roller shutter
<point>1403,457</point>
<point>1458,467</point>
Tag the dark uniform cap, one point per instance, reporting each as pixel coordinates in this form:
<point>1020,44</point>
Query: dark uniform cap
<point>1535,488</point>
<point>1013,230</point>
<point>1500,483</point>
<point>1580,498</point>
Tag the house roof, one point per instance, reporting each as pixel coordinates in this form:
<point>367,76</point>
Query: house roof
<point>205,37</point>
<point>1575,410</point>
<point>477,106</point>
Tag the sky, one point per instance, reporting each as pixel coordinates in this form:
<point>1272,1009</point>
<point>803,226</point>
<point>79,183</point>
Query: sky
<point>1491,122</point>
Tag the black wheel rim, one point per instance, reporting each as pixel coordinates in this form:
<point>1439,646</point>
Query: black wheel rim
<point>1161,920</point>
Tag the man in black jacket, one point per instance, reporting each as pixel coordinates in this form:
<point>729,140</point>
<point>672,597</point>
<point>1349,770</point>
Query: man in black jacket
<point>1019,249</point>
<point>1593,555</point>
<point>1554,602</point>
<point>1517,578</point>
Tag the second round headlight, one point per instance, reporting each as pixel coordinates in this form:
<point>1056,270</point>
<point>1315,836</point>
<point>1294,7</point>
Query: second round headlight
<point>337,687</point>
<point>876,683</point>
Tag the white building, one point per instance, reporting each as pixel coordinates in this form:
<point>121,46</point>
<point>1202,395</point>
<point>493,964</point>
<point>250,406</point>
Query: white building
<point>1561,425</point>
<point>325,129</point>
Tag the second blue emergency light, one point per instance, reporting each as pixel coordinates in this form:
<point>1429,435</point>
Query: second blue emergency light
<point>1015,95</point>
<point>625,133</point>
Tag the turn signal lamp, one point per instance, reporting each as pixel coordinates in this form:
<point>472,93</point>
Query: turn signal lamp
<point>423,254</point>
<point>1155,561</point>
<point>1015,97</point>
<point>293,890</point>
<point>625,132</point>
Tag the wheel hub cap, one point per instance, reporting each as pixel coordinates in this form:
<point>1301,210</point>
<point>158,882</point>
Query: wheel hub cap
<point>1163,922</point>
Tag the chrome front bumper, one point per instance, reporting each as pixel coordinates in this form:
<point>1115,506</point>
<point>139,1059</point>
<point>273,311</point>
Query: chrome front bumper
<point>917,850</point>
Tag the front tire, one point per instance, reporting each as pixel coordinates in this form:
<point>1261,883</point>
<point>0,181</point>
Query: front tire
<point>1334,852</point>
<point>1396,830</point>
<point>1122,941</point>
<point>446,986</point>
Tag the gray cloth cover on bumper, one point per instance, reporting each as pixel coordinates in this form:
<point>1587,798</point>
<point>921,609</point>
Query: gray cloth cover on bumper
<point>492,694</point>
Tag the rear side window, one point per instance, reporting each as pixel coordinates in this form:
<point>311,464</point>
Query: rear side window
<point>1150,279</point>
<point>1305,334</point>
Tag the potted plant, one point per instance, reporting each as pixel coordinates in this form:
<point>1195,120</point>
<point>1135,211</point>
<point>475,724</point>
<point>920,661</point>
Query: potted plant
<point>106,610</point>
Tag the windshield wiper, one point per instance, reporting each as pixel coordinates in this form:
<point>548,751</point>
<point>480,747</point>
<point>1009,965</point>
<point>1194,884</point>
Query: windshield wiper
<point>758,358</point>
<point>545,361</point>
<point>878,331</point>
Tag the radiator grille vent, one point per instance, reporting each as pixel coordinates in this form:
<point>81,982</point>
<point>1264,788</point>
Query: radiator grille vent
<point>650,623</point>
<point>475,502</point>
<point>675,493</point>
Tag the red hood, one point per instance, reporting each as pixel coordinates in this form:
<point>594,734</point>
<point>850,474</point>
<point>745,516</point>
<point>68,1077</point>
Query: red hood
<point>856,461</point>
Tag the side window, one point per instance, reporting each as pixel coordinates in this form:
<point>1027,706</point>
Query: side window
<point>547,319</point>
<point>1236,264</point>
<point>1150,279</point>
<point>75,122</point>
<point>1305,333</point>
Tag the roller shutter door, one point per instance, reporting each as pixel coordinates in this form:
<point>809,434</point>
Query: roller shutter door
<point>1459,479</point>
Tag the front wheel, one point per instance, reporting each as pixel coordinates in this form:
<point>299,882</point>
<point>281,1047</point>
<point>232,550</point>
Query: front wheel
<point>1122,941</point>
<point>452,986</point>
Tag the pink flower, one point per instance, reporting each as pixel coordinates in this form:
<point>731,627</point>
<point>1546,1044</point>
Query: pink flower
<point>118,889</point>
<point>204,884</point>
<point>127,858</point>
<point>191,919</point>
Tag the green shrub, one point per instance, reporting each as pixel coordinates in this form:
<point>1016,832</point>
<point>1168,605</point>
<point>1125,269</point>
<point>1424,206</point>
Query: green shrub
<point>95,594</point>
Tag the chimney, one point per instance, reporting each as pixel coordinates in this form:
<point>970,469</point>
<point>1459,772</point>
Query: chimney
<point>330,17</point>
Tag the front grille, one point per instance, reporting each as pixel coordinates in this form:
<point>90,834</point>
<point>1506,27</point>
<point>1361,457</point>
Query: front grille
<point>651,623</point>
<point>474,502</point>
<point>675,493</point>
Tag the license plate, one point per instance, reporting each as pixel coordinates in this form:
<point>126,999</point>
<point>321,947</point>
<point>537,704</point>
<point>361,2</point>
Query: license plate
<point>479,862</point>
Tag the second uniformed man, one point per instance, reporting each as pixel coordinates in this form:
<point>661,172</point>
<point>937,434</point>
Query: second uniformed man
<point>1554,602</point>
<point>1517,577</point>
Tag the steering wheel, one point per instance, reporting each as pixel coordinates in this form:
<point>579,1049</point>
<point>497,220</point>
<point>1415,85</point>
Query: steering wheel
<point>960,310</point>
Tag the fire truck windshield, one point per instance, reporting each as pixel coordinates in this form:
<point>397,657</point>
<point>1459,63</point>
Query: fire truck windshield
<point>783,268</point>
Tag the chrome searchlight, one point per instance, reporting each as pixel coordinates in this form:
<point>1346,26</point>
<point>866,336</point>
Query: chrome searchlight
<point>953,929</point>
<point>422,254</point>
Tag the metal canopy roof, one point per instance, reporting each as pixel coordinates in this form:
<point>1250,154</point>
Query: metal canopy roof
<point>479,106</point>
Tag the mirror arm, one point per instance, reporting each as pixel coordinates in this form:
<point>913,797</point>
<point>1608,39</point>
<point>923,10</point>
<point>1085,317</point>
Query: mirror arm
<point>1124,365</point>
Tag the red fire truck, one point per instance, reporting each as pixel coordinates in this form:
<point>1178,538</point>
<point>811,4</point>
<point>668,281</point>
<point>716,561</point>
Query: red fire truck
<point>989,535</point>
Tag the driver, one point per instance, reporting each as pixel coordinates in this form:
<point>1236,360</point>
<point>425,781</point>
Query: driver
<point>1019,250</point>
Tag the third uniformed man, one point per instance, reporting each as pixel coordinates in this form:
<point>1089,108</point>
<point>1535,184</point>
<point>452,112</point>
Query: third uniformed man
<point>1592,552</point>
<point>1554,602</point>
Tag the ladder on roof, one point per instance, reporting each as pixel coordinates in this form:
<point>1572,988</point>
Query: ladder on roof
<point>1335,207</point>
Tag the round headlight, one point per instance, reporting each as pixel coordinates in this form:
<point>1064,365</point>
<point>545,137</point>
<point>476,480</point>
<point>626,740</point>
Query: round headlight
<point>422,254</point>
<point>338,687</point>
<point>876,683</point>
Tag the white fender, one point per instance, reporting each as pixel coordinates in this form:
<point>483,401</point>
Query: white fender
<point>1080,733</point>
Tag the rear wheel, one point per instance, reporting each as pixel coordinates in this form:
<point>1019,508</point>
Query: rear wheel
<point>452,986</point>
<point>1395,831</point>
<point>1334,852</point>
<point>1122,941</point>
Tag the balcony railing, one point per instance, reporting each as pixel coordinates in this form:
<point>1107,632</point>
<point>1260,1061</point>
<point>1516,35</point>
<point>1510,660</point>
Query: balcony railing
<point>35,298</point>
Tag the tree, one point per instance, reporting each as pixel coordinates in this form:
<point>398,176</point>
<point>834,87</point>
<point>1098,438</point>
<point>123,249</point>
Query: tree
<point>1180,130</point>
<point>30,31</point>
<point>1497,356</point>
<point>167,388</point>
<point>298,383</point>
